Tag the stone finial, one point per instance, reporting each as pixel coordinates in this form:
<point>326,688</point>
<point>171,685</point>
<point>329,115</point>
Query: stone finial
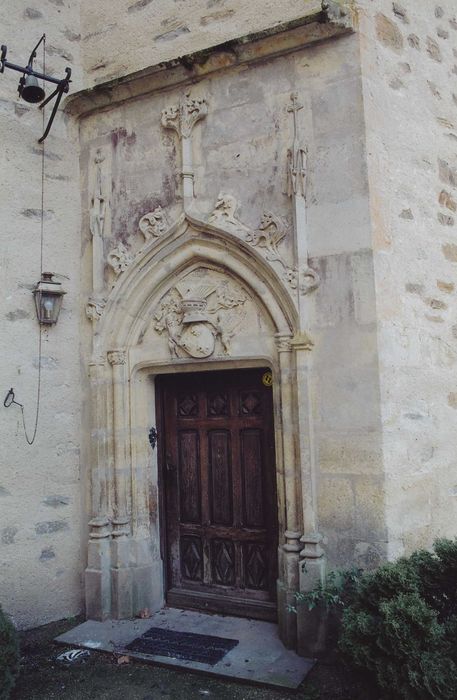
<point>183,117</point>
<point>296,156</point>
<point>98,199</point>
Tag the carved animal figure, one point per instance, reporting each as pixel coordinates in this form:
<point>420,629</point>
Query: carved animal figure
<point>269,234</point>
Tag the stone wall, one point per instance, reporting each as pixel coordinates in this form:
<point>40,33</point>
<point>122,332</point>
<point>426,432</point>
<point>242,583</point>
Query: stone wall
<point>381,123</point>
<point>163,30</point>
<point>409,65</point>
<point>41,559</point>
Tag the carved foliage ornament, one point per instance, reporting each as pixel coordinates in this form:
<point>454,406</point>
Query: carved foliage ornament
<point>198,312</point>
<point>117,357</point>
<point>120,258</point>
<point>183,117</point>
<point>153,224</point>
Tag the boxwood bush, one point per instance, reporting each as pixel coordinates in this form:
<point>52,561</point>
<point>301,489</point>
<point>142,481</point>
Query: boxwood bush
<point>9,656</point>
<point>400,625</point>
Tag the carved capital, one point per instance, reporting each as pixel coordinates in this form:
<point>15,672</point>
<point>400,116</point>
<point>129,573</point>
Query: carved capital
<point>117,357</point>
<point>183,117</point>
<point>302,341</point>
<point>284,343</point>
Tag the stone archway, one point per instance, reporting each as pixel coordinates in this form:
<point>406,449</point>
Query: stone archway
<point>196,278</point>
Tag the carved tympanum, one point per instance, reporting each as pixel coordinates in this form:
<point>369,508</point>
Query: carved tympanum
<point>199,312</point>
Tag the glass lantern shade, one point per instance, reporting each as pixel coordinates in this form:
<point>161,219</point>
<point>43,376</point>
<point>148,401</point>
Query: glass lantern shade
<point>48,299</point>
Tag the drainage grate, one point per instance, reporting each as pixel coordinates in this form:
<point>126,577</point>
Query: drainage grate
<point>182,645</point>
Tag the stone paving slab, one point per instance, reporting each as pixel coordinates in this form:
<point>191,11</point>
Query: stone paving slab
<point>260,656</point>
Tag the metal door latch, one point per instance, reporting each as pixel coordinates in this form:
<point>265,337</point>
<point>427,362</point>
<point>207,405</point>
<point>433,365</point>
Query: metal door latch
<point>153,437</point>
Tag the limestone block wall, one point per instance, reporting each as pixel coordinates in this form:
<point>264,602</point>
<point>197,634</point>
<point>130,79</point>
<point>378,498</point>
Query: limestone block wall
<point>40,498</point>
<point>167,29</point>
<point>409,67</point>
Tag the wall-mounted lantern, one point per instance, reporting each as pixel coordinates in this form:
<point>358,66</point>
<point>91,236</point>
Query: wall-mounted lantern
<point>48,299</point>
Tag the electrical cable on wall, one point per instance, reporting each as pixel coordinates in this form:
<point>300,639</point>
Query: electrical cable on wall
<point>10,398</point>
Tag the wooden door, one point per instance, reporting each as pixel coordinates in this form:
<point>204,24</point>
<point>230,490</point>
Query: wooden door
<point>219,481</point>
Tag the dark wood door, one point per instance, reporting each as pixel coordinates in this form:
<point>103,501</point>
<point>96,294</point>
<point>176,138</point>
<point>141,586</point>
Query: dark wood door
<point>218,474</point>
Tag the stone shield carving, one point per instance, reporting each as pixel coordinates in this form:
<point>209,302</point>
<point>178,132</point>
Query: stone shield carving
<point>201,314</point>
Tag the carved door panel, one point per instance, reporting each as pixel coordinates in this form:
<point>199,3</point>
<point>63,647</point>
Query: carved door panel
<point>220,492</point>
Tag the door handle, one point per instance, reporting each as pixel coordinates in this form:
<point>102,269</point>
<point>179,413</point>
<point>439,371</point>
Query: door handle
<point>169,465</point>
<point>152,435</point>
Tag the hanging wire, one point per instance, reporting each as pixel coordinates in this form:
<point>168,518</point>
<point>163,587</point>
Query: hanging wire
<point>31,440</point>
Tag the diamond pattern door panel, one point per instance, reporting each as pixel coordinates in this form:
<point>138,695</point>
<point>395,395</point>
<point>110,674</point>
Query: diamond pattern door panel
<point>223,561</point>
<point>255,560</point>
<point>219,488</point>
<point>191,558</point>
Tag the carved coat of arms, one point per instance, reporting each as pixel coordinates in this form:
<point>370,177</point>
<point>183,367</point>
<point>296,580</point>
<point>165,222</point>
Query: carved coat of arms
<point>198,313</point>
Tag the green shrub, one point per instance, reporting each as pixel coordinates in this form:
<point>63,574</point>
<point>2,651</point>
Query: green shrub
<point>400,624</point>
<point>9,656</point>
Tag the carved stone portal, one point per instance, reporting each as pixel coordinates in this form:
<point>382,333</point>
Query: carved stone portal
<point>201,311</point>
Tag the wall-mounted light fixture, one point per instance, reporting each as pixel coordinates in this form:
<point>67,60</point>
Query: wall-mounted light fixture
<point>48,299</point>
<point>30,90</point>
